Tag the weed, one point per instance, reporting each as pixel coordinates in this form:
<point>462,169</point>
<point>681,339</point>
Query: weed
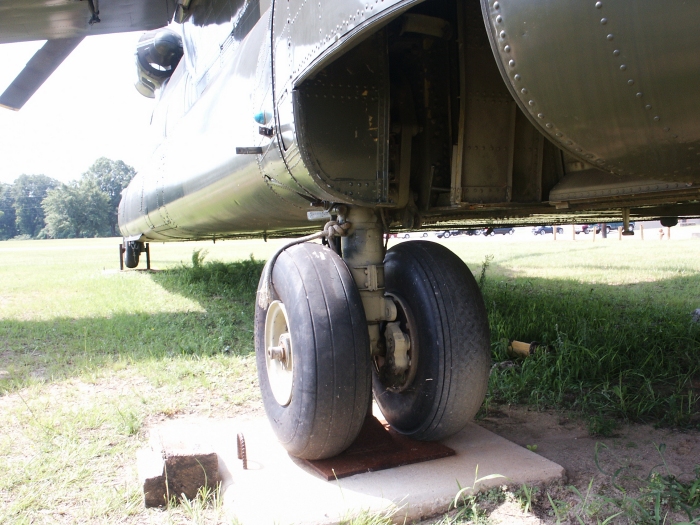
<point>466,500</point>
<point>600,425</point>
<point>650,500</point>
<point>371,518</point>
<point>131,422</point>
<point>560,511</point>
<point>207,499</point>
<point>484,266</point>
<point>198,257</point>
<point>524,496</point>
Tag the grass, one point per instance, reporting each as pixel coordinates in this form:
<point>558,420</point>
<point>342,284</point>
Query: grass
<point>90,357</point>
<point>617,321</point>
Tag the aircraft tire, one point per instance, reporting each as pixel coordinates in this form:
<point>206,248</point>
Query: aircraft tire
<point>131,255</point>
<point>330,383</point>
<point>450,340</point>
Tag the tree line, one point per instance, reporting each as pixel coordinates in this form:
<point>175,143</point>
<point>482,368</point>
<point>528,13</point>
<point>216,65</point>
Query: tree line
<point>39,207</point>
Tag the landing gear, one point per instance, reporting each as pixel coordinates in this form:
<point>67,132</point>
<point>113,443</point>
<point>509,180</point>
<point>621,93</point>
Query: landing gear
<point>129,253</point>
<point>418,337</point>
<point>442,379</point>
<point>312,353</point>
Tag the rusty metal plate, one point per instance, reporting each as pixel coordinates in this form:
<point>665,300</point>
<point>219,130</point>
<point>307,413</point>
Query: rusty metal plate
<point>378,447</point>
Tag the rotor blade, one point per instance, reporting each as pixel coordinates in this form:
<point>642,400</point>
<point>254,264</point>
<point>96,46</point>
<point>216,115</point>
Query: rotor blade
<point>38,69</point>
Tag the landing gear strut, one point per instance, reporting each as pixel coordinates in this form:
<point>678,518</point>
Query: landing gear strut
<point>411,324</point>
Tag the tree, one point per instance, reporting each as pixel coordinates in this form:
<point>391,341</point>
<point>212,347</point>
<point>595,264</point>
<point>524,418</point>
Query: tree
<point>8,228</point>
<point>111,176</point>
<point>28,192</point>
<point>77,209</point>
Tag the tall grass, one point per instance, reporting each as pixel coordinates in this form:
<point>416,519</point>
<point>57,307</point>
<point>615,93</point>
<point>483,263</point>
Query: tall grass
<point>614,351</point>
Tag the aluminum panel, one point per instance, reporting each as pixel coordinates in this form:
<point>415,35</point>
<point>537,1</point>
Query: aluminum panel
<point>613,83</point>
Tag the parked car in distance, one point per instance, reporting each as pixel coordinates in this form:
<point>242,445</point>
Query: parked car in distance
<point>612,226</point>
<point>408,235</point>
<point>583,228</point>
<point>454,233</point>
<point>541,230</point>
<point>448,233</point>
<point>500,231</point>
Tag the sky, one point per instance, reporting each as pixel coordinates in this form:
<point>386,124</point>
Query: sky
<point>88,108</point>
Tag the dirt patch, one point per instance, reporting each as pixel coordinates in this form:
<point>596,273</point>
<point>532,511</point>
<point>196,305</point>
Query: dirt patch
<point>627,458</point>
<point>566,441</point>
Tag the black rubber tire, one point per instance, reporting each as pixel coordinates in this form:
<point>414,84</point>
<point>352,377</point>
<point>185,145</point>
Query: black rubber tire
<point>666,222</point>
<point>453,342</point>
<point>131,254</point>
<point>446,235</point>
<point>331,386</point>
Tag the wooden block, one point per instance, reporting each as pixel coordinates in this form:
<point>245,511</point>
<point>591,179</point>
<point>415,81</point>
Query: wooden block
<point>168,470</point>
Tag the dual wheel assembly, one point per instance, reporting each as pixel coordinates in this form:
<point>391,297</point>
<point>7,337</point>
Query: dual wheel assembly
<point>316,371</point>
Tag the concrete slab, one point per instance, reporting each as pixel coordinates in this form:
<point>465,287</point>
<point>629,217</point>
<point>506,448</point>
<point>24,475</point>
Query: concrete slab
<point>278,489</point>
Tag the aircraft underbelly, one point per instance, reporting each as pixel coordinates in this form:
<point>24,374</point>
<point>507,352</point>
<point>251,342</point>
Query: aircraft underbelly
<point>435,111</point>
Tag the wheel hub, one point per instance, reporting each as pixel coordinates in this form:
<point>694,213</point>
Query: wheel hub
<point>397,367</point>
<point>279,353</point>
<point>397,345</point>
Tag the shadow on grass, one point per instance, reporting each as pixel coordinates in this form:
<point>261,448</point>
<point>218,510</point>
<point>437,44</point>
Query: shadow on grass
<point>627,351</point>
<point>64,347</point>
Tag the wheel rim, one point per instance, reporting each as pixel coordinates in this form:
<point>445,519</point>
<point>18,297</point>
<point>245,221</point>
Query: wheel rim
<point>393,382</point>
<point>279,353</point>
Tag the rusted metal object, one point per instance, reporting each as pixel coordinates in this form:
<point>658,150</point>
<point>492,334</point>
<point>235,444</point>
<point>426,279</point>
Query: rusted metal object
<point>242,455</point>
<point>520,349</point>
<point>378,447</point>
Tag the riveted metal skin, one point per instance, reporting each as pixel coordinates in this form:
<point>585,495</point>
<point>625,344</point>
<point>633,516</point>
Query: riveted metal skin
<point>213,172</point>
<point>613,83</point>
<point>196,185</point>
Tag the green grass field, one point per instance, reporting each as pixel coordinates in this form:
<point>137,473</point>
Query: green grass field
<point>89,356</point>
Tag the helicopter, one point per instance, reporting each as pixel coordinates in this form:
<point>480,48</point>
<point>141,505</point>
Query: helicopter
<point>344,120</point>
